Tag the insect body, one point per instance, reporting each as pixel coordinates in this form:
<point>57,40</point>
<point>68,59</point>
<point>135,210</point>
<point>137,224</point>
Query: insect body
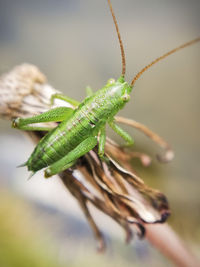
<point>82,129</point>
<point>77,133</point>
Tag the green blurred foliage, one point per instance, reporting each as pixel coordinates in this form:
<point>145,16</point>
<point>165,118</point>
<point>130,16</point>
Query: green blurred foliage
<point>21,240</point>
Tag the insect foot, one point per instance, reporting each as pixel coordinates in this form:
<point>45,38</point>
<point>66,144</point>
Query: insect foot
<point>103,158</point>
<point>15,123</point>
<point>47,173</point>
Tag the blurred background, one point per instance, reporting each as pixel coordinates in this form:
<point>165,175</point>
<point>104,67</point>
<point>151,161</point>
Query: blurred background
<point>74,44</point>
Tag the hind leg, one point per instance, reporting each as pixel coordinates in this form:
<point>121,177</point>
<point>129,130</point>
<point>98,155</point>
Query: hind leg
<point>69,160</point>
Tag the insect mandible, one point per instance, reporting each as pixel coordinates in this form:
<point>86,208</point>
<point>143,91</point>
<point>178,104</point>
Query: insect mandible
<point>82,128</point>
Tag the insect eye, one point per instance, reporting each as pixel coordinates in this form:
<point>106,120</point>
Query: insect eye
<point>110,81</point>
<point>126,97</point>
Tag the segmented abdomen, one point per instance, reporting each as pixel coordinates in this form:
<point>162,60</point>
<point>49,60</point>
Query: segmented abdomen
<point>64,138</point>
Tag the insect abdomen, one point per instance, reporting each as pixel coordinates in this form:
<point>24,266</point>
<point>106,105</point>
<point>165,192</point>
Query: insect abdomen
<point>57,143</point>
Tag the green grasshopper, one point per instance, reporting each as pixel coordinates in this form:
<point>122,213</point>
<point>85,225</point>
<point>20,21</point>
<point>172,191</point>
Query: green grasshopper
<point>82,128</point>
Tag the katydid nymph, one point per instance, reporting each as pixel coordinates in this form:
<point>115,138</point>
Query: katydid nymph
<point>82,128</point>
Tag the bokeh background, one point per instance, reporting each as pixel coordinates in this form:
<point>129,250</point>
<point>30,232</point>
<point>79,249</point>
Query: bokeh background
<point>74,44</point>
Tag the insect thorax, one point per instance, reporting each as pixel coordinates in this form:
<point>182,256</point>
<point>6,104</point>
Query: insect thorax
<point>112,97</point>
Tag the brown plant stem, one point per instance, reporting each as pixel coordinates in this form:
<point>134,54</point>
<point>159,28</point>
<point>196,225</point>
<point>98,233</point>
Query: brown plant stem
<point>168,242</point>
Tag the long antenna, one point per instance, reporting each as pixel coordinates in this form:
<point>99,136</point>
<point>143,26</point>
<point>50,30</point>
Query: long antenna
<point>119,38</point>
<point>137,76</point>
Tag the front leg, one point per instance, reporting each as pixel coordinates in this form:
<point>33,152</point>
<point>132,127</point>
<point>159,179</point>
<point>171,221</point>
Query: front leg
<point>169,154</point>
<point>129,140</point>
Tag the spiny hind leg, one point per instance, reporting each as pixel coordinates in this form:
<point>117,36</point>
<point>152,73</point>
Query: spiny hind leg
<point>69,160</point>
<point>56,114</point>
<point>129,140</point>
<point>153,136</point>
<point>65,98</point>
